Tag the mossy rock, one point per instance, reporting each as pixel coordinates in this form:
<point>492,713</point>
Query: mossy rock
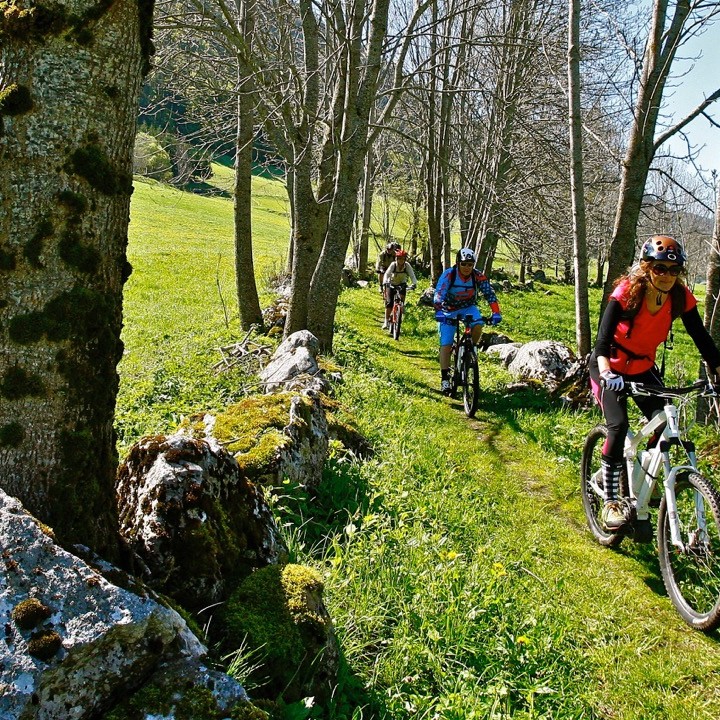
<point>252,431</point>
<point>194,703</point>
<point>278,611</point>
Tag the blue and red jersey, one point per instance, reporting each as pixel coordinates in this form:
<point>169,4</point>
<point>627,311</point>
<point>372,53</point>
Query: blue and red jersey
<point>453,293</point>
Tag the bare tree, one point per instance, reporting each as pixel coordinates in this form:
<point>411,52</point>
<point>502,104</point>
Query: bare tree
<point>65,184</point>
<point>671,24</point>
<point>247,295</point>
<point>204,57</point>
<point>577,190</point>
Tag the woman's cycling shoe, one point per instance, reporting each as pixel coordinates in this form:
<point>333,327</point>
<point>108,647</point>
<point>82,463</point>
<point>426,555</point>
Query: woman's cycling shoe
<point>445,387</point>
<point>613,516</point>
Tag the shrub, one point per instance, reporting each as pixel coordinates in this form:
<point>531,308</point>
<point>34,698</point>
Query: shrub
<point>150,158</point>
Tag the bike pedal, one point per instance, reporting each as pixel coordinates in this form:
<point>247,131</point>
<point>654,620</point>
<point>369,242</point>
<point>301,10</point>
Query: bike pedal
<point>640,531</point>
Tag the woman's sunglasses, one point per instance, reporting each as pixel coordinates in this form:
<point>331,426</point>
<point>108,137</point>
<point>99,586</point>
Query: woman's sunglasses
<point>673,270</point>
<point>466,264</point>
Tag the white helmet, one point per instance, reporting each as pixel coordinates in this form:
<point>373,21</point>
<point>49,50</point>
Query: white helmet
<point>465,255</point>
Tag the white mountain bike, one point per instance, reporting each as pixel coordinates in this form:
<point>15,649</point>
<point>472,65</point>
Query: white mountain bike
<point>688,518</point>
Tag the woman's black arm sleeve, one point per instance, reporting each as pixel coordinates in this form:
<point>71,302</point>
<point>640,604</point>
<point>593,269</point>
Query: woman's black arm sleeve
<point>606,331</point>
<point>701,337</point>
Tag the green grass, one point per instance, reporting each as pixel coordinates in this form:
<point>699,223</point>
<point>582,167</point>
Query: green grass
<point>459,571</point>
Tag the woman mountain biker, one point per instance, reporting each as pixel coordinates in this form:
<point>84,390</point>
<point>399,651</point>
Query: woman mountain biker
<point>456,297</point>
<point>395,281</point>
<point>637,319</point>
<point>383,261</point>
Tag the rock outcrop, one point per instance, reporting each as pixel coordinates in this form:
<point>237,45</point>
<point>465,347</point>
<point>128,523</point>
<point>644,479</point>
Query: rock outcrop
<point>544,360</point>
<point>74,642</point>
<point>279,611</point>
<point>192,519</point>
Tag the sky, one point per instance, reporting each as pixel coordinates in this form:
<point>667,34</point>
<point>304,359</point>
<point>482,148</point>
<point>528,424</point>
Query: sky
<point>702,78</point>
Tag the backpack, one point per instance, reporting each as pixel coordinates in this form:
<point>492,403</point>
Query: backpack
<point>453,276</point>
<point>677,299</point>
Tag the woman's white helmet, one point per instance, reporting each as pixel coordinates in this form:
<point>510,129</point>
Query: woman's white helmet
<point>465,255</point>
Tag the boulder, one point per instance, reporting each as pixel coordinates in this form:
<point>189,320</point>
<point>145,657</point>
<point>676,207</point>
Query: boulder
<point>545,360</point>
<point>182,689</point>
<point>73,642</point>
<point>427,297</point>
<point>279,612</point>
<point>488,339</point>
<point>505,353</point>
<point>192,518</point>
<point>272,437</point>
<point>296,355</point>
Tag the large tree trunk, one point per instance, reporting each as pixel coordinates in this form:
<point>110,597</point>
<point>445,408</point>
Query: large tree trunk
<point>247,295</point>
<point>309,222</point>
<point>65,183</point>
<point>577,190</point>
<point>361,82</point>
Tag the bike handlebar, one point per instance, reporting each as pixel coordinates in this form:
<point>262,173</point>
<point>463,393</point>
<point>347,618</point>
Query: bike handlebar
<point>484,319</point>
<point>401,286</point>
<point>700,387</point>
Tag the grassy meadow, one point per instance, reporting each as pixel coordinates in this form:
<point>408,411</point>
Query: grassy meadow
<point>459,573</point>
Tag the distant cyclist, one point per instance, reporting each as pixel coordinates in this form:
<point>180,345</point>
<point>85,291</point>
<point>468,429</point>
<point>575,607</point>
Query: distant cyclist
<point>637,319</point>
<point>396,280</point>
<point>456,297</point>
<point>383,261</point>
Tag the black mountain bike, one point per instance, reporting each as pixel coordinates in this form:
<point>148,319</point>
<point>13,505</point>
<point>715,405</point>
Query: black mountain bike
<point>463,361</point>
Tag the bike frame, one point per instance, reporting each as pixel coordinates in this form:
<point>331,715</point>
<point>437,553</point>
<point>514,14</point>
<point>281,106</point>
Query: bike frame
<point>643,466</point>
<point>463,343</point>
<point>398,302</point>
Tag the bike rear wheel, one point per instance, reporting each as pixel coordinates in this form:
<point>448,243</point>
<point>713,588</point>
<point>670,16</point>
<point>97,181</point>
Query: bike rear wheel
<point>692,574</point>
<point>591,487</point>
<point>397,318</point>
<point>471,384</point>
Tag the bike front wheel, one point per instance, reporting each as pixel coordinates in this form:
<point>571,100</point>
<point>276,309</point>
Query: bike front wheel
<point>692,573</point>
<point>397,315</point>
<point>471,386</point>
<point>591,487</point>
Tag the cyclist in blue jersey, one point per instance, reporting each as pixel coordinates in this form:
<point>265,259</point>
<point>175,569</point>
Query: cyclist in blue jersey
<point>456,297</point>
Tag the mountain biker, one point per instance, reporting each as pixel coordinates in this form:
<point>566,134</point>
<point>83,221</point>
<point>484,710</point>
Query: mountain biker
<point>637,319</point>
<point>395,281</point>
<point>384,259</point>
<point>456,297</point>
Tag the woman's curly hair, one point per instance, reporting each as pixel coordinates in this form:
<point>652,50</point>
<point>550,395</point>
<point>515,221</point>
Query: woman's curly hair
<point>638,278</point>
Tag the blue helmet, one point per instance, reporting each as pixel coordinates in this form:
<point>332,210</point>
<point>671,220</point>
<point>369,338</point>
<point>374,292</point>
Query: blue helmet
<point>663,247</point>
